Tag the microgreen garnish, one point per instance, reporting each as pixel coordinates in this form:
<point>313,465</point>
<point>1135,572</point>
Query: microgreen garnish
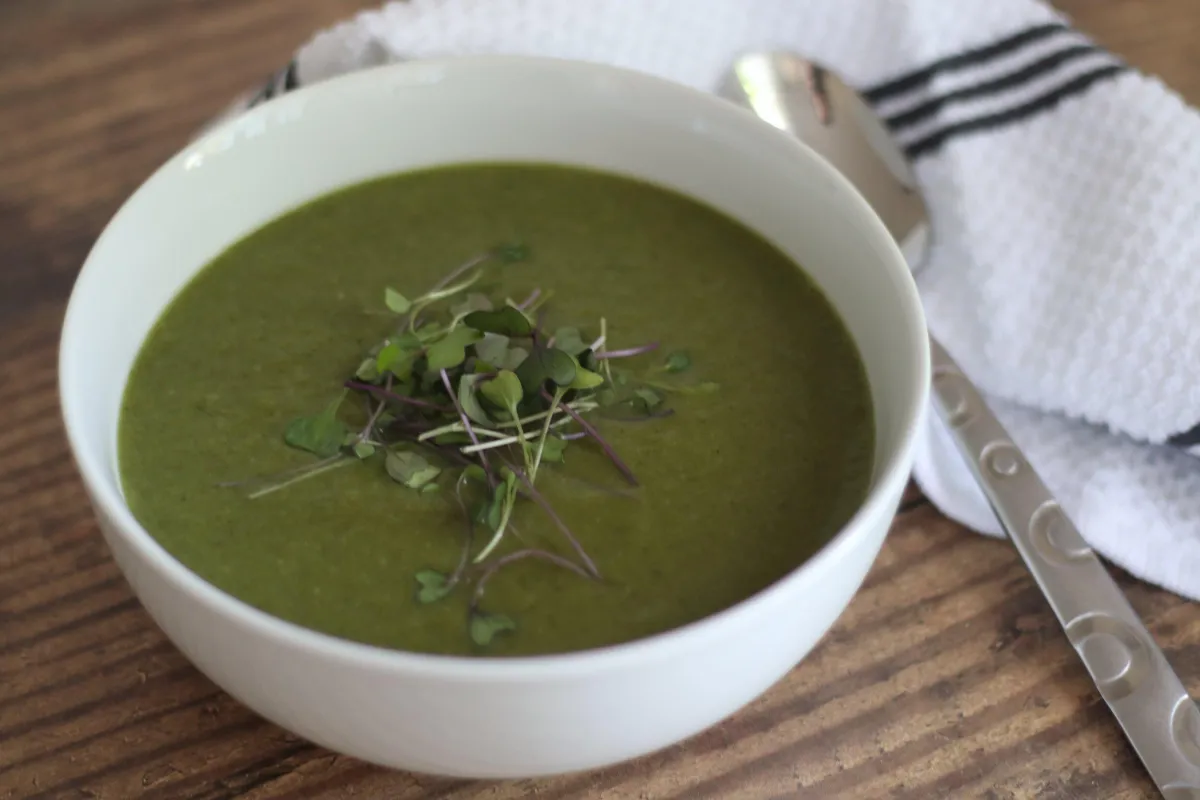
<point>485,627</point>
<point>410,469</point>
<point>677,361</point>
<point>396,302</point>
<point>473,391</point>
<point>545,364</point>
<point>570,341</point>
<point>432,586</point>
<point>321,434</point>
<point>508,321</point>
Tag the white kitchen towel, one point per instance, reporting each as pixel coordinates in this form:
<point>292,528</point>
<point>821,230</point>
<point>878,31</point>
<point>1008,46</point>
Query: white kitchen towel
<point>1064,190</point>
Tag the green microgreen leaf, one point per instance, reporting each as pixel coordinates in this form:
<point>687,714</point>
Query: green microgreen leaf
<point>509,477</point>
<point>410,469</point>
<point>390,353</point>
<point>364,450</point>
<point>587,359</point>
<point>570,341</point>
<point>486,627</point>
<point>451,350</point>
<point>504,390</point>
<point>492,349</point>
<point>398,355</point>
<point>492,511</point>
<point>396,302</point>
<point>476,473</point>
<point>506,321</point>
<point>646,399</point>
<point>495,509</point>
<point>586,379</point>
<point>468,385</point>
<point>677,361</point>
<point>552,448</point>
<point>512,253</point>
<point>321,434</point>
<point>368,370</point>
<point>514,358</point>
<point>432,586</point>
<point>546,364</point>
<point>497,352</point>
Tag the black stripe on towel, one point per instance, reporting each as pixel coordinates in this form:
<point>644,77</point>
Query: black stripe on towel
<point>1012,80</point>
<point>934,141</point>
<point>280,83</point>
<point>978,55</point>
<point>1188,438</point>
<point>290,79</point>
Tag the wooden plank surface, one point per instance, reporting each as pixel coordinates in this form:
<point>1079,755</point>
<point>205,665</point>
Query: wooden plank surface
<point>947,676</point>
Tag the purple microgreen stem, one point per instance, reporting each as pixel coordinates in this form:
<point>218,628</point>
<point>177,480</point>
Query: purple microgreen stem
<point>379,391</point>
<point>369,428</point>
<point>528,301</point>
<point>614,491</point>
<point>537,497</point>
<point>519,555</point>
<point>605,446</point>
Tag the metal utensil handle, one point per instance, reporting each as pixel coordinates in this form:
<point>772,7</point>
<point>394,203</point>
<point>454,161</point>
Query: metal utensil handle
<point>1146,696</point>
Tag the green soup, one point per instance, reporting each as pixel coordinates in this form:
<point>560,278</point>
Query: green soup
<point>737,487</point>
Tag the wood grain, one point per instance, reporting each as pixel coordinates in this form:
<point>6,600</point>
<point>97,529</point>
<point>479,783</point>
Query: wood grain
<point>947,676</point>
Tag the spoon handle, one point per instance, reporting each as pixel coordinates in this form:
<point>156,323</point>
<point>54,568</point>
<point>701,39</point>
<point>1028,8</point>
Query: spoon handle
<point>1146,696</point>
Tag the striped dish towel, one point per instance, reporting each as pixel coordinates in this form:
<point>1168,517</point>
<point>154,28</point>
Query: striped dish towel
<point>1064,189</point>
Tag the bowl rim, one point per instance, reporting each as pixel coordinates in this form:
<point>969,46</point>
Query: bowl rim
<point>516,669</point>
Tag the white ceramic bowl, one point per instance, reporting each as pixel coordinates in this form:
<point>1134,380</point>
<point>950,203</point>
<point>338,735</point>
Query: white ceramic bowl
<point>490,717</point>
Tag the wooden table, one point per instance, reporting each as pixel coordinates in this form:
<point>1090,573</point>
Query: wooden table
<point>947,676</point>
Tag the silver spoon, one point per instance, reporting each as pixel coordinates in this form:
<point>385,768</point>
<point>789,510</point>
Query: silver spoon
<point>1149,701</point>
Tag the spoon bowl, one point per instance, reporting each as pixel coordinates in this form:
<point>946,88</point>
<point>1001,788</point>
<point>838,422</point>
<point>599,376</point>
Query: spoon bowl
<point>813,104</point>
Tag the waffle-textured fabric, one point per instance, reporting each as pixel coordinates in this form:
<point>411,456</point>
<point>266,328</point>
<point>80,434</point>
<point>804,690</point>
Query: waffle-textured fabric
<point>1064,190</point>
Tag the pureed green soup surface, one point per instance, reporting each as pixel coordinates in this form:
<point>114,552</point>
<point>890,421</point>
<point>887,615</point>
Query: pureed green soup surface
<point>736,487</point>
